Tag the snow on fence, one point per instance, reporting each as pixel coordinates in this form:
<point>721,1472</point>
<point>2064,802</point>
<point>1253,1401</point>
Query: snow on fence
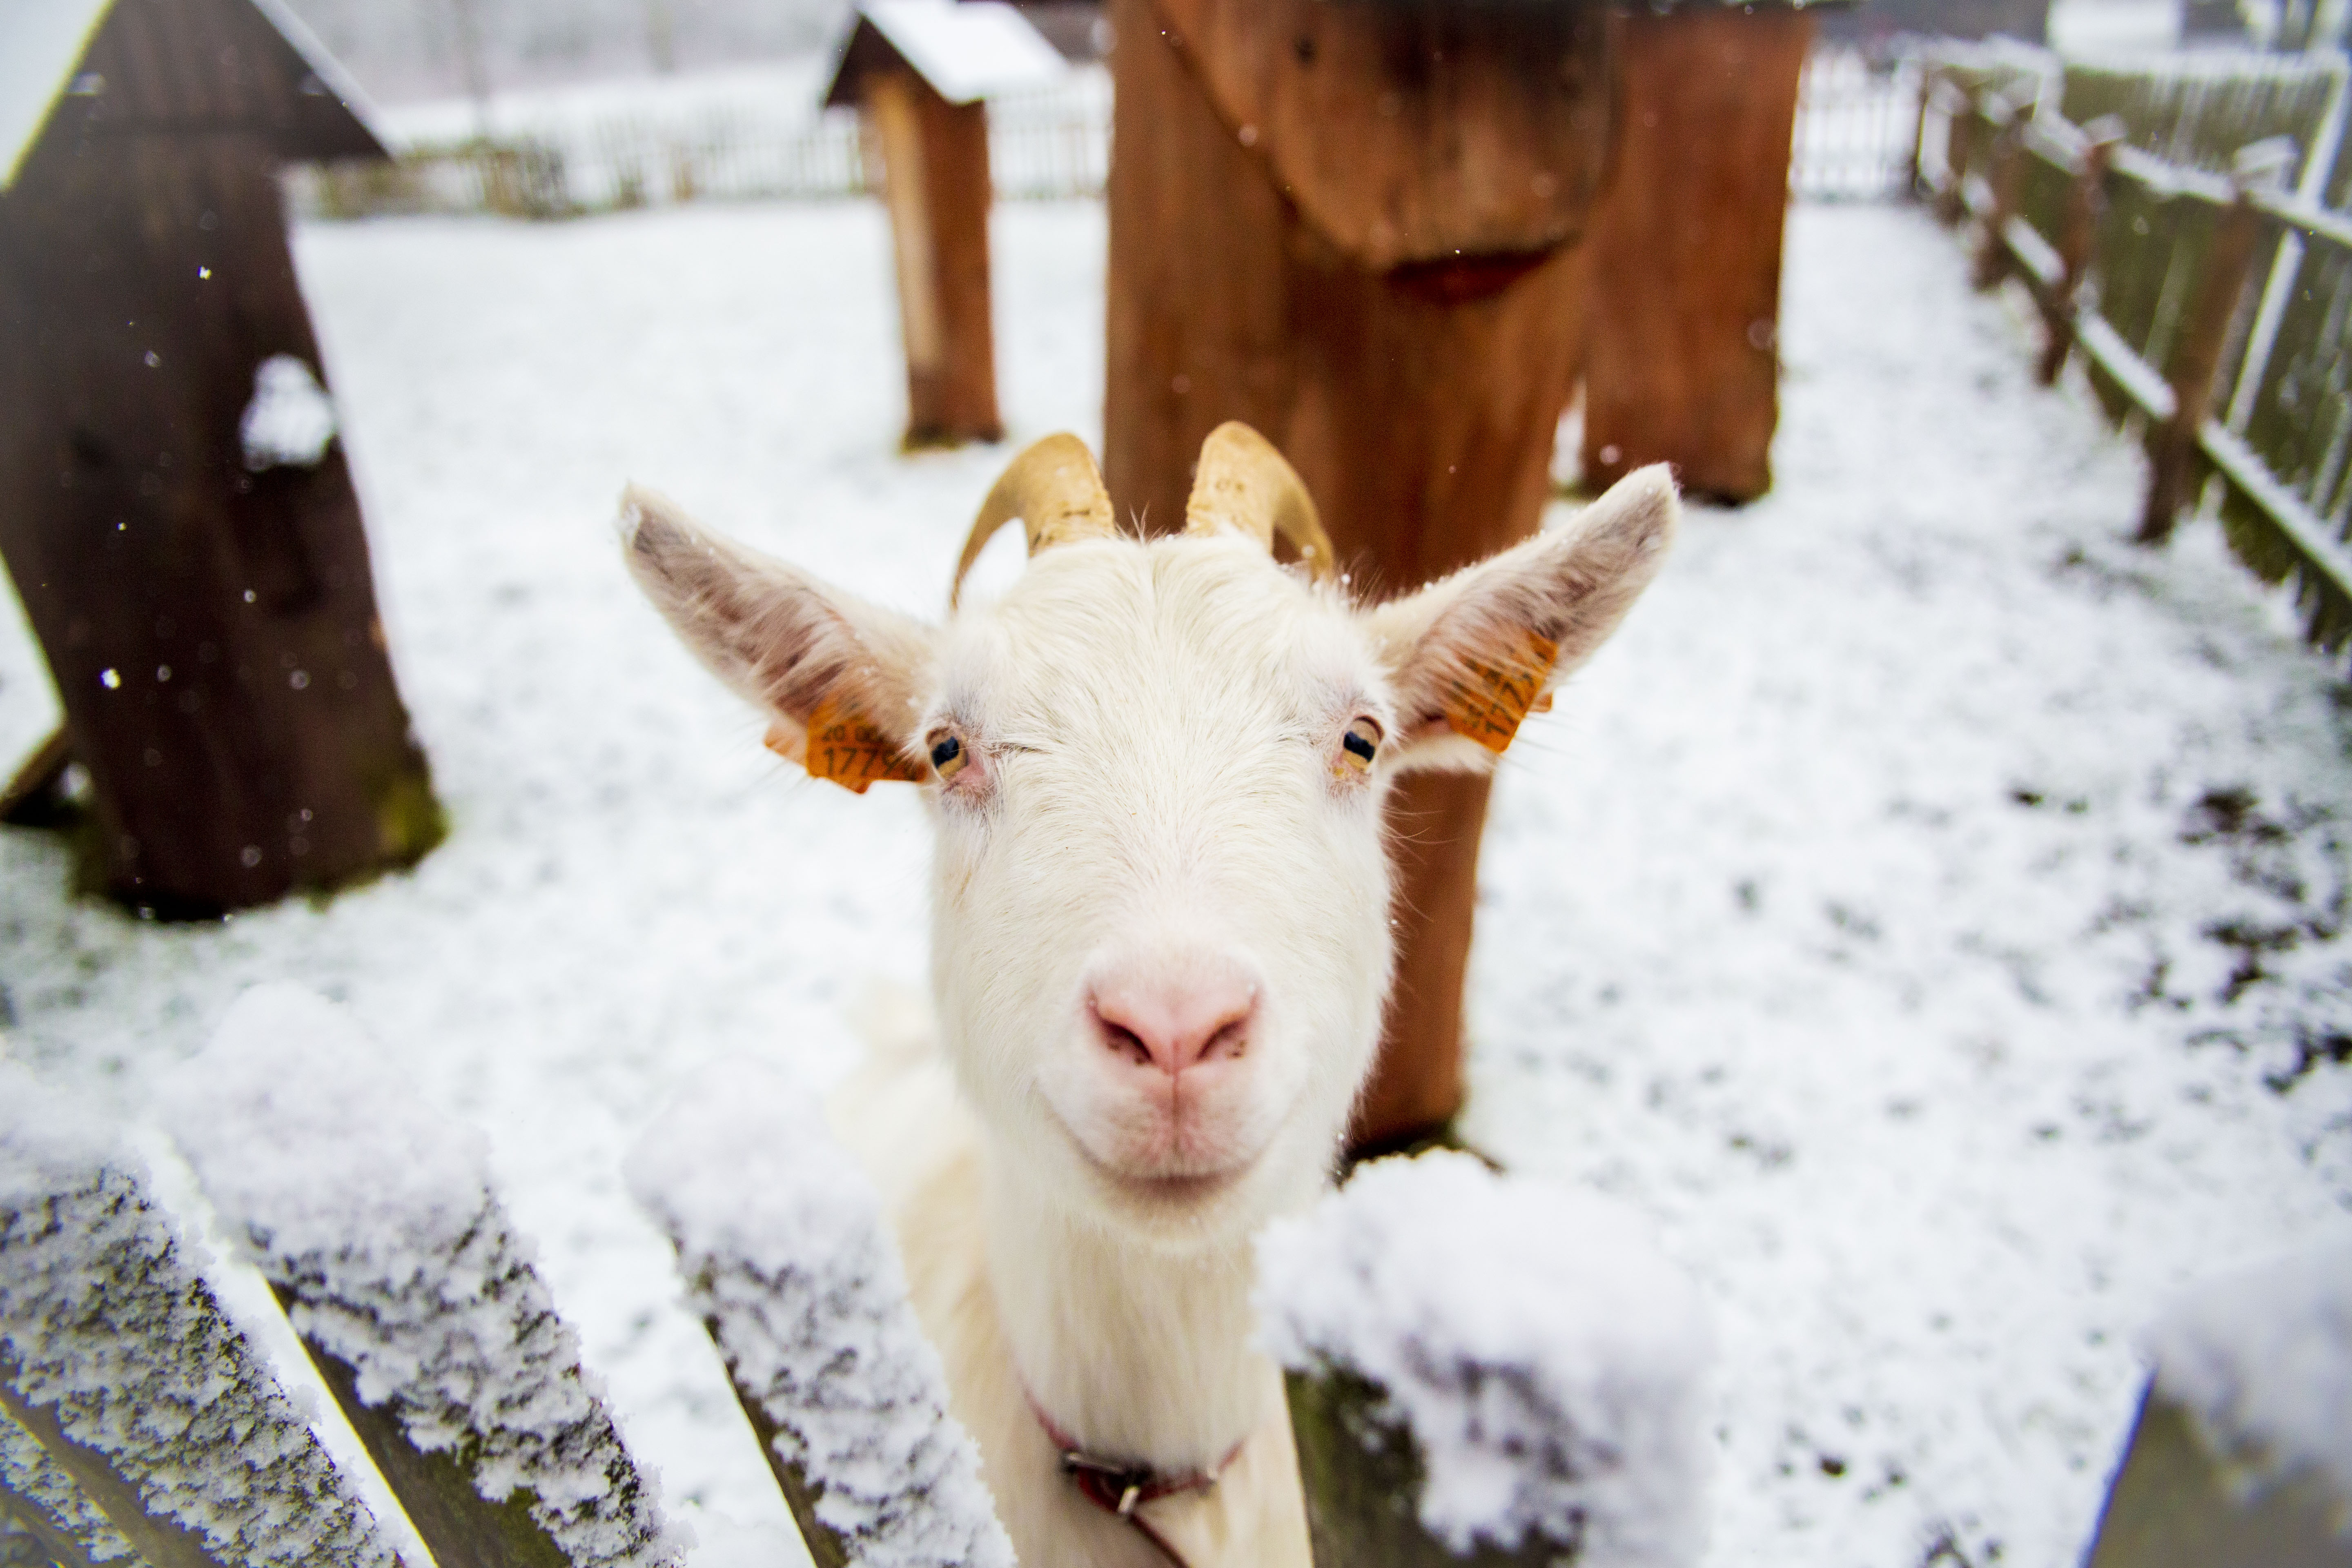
<point>2212,311</point>
<point>375,1223</point>
<point>2243,1451</point>
<point>134,1417</point>
<point>1488,1369</point>
<point>789,1266</point>
<point>1857,114</point>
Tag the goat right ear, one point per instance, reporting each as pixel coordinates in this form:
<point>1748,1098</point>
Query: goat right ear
<point>811,657</point>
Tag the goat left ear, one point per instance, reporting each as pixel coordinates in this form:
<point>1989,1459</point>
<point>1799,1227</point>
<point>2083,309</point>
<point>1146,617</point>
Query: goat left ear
<point>812,658</point>
<point>1472,653</point>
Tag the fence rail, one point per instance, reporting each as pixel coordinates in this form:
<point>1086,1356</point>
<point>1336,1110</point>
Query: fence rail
<point>1857,114</point>
<point>2212,311</point>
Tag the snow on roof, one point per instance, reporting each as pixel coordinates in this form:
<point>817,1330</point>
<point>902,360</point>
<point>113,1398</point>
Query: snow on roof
<point>2262,1362</point>
<point>41,41</point>
<point>1549,1360</point>
<point>966,51</point>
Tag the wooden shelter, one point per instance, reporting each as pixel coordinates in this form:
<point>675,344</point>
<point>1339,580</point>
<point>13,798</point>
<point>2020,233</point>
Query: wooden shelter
<point>1684,362</point>
<point>173,507</point>
<point>920,73</point>
<point>1356,228</point>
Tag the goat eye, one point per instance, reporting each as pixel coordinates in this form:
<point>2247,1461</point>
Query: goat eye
<point>946,756</point>
<point>1362,739</point>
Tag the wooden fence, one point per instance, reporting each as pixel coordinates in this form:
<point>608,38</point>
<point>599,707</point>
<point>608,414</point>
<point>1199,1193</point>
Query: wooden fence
<point>2211,310</point>
<point>1856,119</point>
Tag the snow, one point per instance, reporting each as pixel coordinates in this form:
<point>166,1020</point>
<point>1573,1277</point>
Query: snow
<point>967,49</point>
<point>27,1475</point>
<point>1911,911</point>
<point>2262,1359</point>
<point>104,1329</point>
<point>289,421</point>
<point>787,1254</point>
<point>1549,1360</point>
<point>41,41</point>
<point>377,1216</point>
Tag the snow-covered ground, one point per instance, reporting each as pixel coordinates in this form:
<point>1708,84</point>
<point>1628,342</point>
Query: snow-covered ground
<point>1926,908</point>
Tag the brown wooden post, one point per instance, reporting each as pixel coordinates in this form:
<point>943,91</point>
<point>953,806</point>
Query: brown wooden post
<point>936,183</point>
<point>2087,202</point>
<point>2008,171</point>
<point>1960,110</point>
<point>2196,361</point>
<point>1354,227</point>
<point>212,628</point>
<point>1684,362</point>
<point>1916,186</point>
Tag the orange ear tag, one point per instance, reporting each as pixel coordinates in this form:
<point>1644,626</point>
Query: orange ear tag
<point>1489,698</point>
<point>846,747</point>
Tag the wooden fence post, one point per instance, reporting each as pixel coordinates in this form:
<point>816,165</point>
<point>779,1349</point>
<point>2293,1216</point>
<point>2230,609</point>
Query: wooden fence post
<point>1959,110</point>
<point>375,1223</point>
<point>157,1424</point>
<point>2086,204</point>
<point>2006,173</point>
<point>2196,361</point>
<point>1916,187</point>
<point>1682,359</point>
<point>1297,242</point>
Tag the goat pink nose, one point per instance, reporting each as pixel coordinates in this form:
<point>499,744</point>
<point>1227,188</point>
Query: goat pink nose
<point>1173,1022</point>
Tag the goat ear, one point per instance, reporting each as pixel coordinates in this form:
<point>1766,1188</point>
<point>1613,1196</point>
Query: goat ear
<point>1472,653</point>
<point>809,656</point>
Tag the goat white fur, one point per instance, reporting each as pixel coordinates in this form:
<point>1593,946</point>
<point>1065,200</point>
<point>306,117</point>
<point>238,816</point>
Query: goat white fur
<point>1160,951</point>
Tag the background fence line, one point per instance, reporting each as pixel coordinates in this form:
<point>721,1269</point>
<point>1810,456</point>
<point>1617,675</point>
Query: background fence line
<point>1856,116</point>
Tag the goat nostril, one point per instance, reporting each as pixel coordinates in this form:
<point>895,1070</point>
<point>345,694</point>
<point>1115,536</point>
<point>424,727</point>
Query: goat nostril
<point>1124,1041</point>
<point>1229,1042</point>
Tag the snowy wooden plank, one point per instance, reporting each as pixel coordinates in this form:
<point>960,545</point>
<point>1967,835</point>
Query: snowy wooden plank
<point>40,1504</point>
<point>1489,1370</point>
<point>374,1222</point>
<point>117,1362</point>
<point>788,1262</point>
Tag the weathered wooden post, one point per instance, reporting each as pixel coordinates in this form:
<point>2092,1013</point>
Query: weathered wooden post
<point>173,507</point>
<point>2005,178</point>
<point>1486,1370</point>
<point>919,72</point>
<point>133,1413</point>
<point>2086,203</point>
<point>416,1299</point>
<point>2196,361</point>
<point>1356,228</point>
<point>1683,362</point>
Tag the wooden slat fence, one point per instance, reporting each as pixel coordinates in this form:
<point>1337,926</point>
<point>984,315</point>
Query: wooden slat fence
<point>1857,117</point>
<point>2212,311</point>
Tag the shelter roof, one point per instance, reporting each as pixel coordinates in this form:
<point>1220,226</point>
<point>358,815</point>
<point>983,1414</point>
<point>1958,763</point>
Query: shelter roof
<point>966,52</point>
<point>264,69</point>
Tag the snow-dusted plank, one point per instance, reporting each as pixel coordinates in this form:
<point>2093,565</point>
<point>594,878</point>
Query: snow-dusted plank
<point>116,1359</point>
<point>968,50</point>
<point>42,1506</point>
<point>2243,1451</point>
<point>788,1262</point>
<point>1486,1367</point>
<point>374,1220</point>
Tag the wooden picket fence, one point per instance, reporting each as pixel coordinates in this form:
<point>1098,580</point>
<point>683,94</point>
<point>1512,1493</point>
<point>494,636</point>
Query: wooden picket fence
<point>2212,309</point>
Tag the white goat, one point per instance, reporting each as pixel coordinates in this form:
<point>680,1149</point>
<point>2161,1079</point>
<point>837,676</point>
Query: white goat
<point>1160,936</point>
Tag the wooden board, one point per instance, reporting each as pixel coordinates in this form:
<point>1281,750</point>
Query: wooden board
<point>1684,362</point>
<point>936,183</point>
<point>248,739</point>
<point>1419,405</point>
<point>1408,134</point>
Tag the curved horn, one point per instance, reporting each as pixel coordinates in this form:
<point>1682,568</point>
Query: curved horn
<point>1056,490</point>
<point>1244,483</point>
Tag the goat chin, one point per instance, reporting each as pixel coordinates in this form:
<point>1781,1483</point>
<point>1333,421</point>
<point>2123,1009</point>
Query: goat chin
<point>1142,1346</point>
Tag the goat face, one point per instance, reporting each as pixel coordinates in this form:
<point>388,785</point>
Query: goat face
<point>1160,911</point>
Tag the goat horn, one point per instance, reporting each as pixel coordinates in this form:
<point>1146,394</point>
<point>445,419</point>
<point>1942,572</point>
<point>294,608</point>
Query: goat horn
<point>1244,483</point>
<point>1056,490</point>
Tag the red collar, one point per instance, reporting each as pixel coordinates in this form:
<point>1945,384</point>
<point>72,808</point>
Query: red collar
<point>1120,1487</point>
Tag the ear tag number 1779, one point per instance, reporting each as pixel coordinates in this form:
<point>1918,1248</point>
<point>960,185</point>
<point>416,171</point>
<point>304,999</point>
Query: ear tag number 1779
<point>849,749</point>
